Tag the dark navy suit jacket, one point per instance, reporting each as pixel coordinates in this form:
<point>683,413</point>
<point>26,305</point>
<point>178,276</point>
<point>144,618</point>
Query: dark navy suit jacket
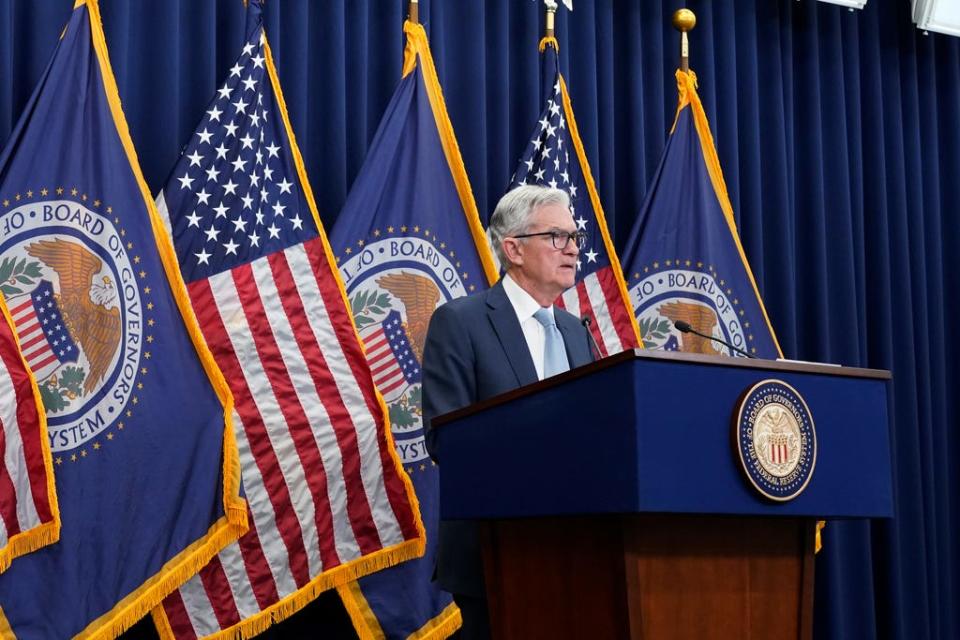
<point>475,349</point>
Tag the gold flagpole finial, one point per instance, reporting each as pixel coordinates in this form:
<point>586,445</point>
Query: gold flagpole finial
<point>414,11</point>
<point>684,20</point>
<point>548,29</point>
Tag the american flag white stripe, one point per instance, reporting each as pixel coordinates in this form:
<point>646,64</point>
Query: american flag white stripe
<point>239,581</point>
<point>598,300</point>
<point>198,607</point>
<point>365,426</point>
<point>215,583</point>
<point>263,521</point>
<point>586,309</point>
<point>227,297</point>
<point>571,301</point>
<point>14,459</point>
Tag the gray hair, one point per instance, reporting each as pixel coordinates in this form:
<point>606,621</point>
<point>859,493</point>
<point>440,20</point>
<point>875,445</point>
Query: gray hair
<point>514,210</point>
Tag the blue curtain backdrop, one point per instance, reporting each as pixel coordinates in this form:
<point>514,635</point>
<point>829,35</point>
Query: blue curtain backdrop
<point>838,131</point>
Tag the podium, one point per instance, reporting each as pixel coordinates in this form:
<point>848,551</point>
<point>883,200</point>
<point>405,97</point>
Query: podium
<point>613,503</point>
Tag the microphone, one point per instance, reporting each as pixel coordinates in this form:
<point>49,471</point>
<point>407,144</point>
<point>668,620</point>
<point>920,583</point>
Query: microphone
<point>684,327</point>
<point>586,322</point>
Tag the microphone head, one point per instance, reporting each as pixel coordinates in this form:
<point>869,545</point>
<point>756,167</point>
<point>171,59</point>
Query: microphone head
<point>586,321</point>
<point>682,326</point>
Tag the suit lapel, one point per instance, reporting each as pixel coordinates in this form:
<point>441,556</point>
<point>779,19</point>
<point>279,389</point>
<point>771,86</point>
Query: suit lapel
<point>507,328</point>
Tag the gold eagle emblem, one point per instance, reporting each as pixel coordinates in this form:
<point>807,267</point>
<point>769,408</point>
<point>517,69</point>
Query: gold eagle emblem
<point>82,303</point>
<point>419,296</point>
<point>698,316</point>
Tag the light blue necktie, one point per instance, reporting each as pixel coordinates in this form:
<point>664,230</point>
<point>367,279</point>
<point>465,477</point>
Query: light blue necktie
<point>554,354</point>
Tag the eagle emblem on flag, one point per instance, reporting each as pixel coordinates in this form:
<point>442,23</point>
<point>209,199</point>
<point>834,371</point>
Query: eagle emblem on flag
<point>83,300</point>
<point>419,296</point>
<point>68,322</point>
<point>699,316</point>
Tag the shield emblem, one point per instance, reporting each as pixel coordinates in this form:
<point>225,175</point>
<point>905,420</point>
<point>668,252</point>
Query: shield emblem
<point>392,362</point>
<point>45,339</point>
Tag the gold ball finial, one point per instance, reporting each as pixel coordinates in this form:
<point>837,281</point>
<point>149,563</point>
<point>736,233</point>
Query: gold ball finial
<point>684,20</point>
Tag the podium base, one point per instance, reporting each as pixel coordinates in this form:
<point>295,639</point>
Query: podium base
<point>649,576</point>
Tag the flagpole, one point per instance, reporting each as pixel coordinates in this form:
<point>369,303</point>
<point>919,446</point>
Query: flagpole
<point>548,30</point>
<point>684,20</point>
<point>414,11</point>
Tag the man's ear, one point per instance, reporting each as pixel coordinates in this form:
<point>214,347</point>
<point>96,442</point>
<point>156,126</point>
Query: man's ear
<point>513,248</point>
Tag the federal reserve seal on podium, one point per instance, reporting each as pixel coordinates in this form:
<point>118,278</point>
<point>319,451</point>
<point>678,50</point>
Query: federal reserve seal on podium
<point>775,439</point>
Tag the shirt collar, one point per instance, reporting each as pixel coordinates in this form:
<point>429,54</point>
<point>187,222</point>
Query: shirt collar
<point>523,303</point>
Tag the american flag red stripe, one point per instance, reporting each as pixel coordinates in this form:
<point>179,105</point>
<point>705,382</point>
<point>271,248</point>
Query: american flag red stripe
<point>271,331</point>
<point>8,508</point>
<point>585,308</point>
<point>256,567</point>
<point>591,287</point>
<point>24,491</point>
<point>27,514</point>
<point>215,583</point>
<point>177,617</point>
<point>618,315</point>
<point>576,300</point>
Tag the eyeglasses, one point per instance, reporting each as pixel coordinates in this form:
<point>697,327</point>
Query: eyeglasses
<point>560,239</point>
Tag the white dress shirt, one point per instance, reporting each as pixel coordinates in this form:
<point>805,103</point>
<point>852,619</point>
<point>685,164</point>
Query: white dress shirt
<point>525,306</point>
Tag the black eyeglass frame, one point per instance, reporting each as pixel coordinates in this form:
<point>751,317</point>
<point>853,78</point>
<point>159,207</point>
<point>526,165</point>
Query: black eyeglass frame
<point>578,237</point>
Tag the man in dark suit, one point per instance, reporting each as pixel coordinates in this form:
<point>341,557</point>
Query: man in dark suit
<point>497,340</point>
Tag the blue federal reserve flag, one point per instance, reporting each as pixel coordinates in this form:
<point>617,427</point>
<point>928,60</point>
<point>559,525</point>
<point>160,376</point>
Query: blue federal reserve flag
<point>146,471</point>
<point>407,240</point>
<point>684,260</point>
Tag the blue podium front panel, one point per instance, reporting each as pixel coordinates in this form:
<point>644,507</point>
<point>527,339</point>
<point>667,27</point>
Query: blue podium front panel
<point>654,434</point>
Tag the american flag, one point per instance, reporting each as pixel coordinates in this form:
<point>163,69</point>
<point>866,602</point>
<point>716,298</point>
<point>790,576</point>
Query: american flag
<point>45,340</point>
<point>328,500</point>
<point>29,517</point>
<point>555,157</point>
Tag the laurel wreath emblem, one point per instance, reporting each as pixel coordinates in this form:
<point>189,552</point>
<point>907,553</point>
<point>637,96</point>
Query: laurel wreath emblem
<point>14,272</point>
